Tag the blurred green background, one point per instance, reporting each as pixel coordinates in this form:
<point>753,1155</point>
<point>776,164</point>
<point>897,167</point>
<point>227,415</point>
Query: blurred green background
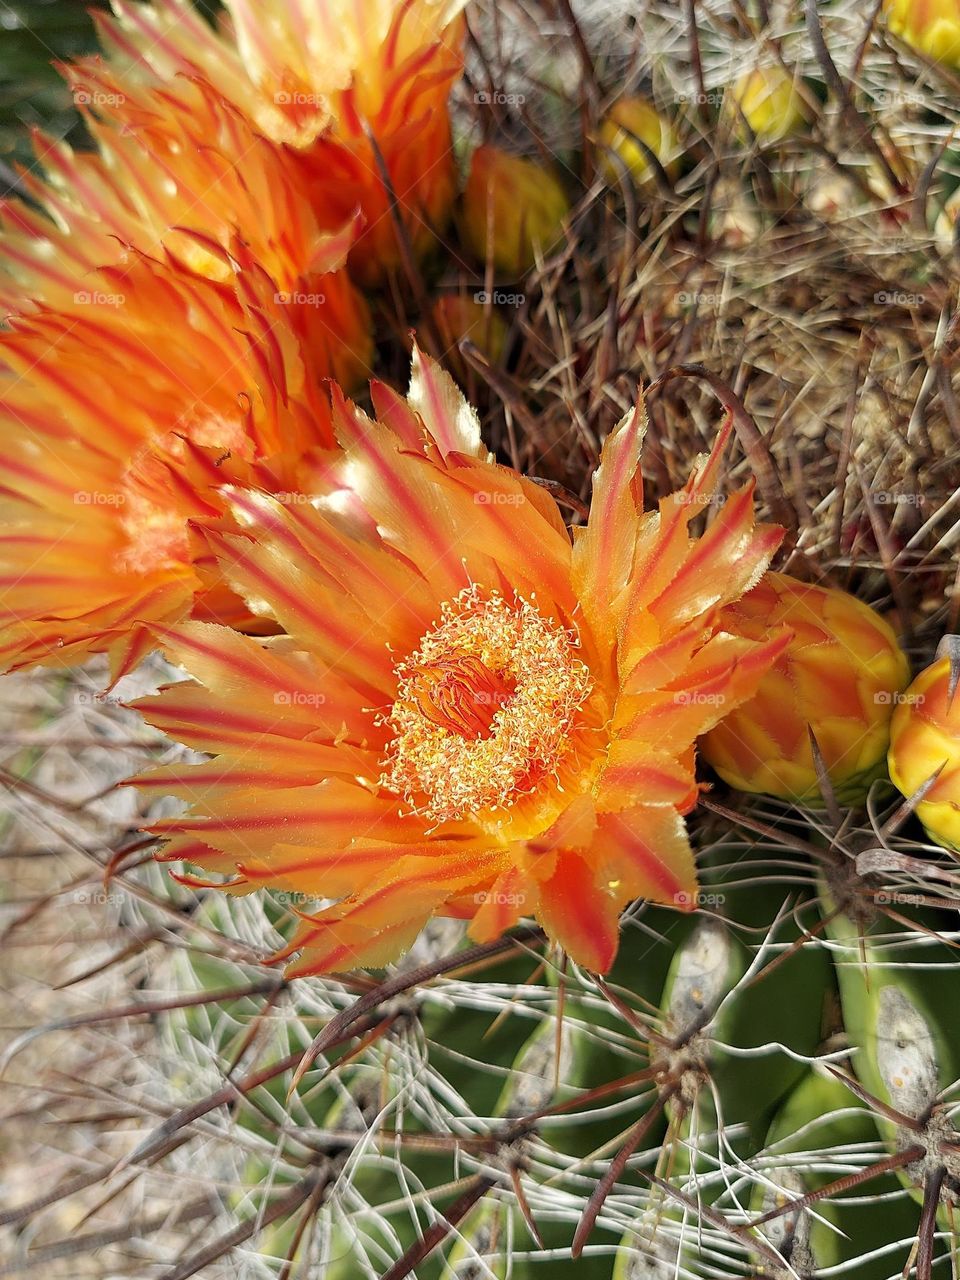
<point>33,33</point>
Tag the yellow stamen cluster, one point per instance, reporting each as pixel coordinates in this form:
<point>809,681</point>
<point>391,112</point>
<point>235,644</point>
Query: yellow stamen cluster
<point>484,707</point>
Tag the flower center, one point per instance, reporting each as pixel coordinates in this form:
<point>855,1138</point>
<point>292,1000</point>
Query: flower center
<point>484,708</point>
<point>461,694</point>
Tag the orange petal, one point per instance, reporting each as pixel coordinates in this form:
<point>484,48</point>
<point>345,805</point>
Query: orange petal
<point>578,916</point>
<point>603,552</point>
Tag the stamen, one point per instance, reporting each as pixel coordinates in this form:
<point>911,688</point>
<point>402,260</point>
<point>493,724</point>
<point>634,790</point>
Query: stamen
<point>484,708</point>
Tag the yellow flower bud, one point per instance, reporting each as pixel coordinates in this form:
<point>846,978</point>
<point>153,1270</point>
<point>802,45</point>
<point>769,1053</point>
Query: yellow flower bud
<point>932,27</point>
<point>628,120</point>
<point>768,100</point>
<point>925,737</point>
<point>840,675</point>
<point>457,317</point>
<point>519,202</point>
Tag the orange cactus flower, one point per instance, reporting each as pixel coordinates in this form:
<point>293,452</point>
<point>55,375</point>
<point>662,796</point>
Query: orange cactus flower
<point>840,677</point>
<point>925,740</point>
<point>467,714</point>
<point>346,86</point>
<point>122,418</point>
<point>185,179</point>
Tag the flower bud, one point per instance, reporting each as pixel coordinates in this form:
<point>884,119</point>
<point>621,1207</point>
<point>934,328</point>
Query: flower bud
<point>840,675</point>
<point>932,27</point>
<point>630,122</point>
<point>512,208</point>
<point>925,737</point>
<point>769,102</point>
<point>457,317</point>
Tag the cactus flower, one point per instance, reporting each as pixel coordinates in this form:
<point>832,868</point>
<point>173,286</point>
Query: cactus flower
<point>121,418</point>
<point>769,102</point>
<point>512,209</point>
<point>932,27</point>
<point>925,737</point>
<point>466,715</point>
<point>628,120</point>
<point>345,87</point>
<point>169,177</point>
<point>840,676</point>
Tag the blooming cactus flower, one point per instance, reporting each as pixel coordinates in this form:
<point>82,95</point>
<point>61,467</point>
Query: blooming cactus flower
<point>839,677</point>
<point>512,208</point>
<point>628,120</point>
<point>924,738</point>
<point>768,100</point>
<point>930,26</point>
<point>465,714</point>
<point>121,418</point>
<point>166,178</point>
<point>324,77</point>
